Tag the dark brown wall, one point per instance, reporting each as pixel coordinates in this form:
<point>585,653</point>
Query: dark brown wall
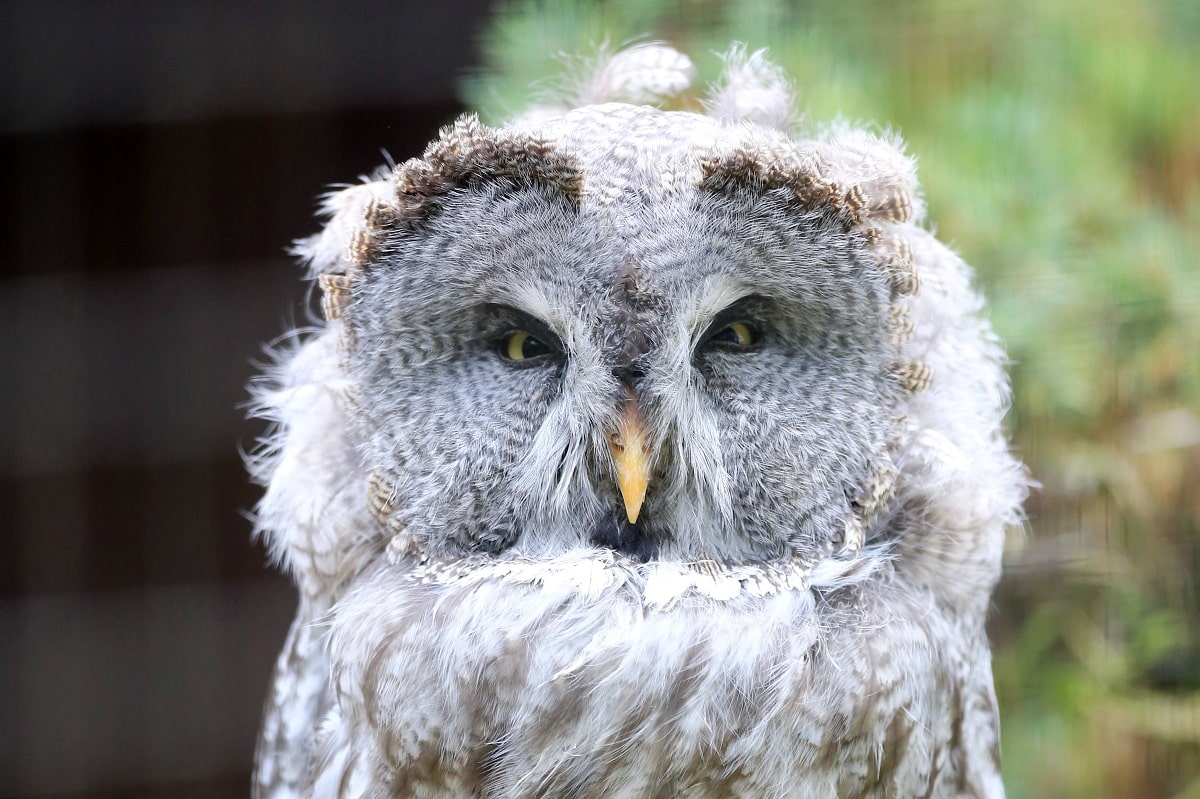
<point>155,160</point>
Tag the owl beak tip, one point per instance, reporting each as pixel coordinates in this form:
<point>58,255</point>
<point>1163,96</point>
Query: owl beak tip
<point>632,479</point>
<point>633,497</point>
<point>632,461</point>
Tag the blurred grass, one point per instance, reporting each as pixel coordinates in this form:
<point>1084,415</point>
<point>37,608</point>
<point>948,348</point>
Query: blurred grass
<point>1060,154</point>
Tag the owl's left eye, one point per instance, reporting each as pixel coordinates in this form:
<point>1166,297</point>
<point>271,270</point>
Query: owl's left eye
<point>735,335</point>
<point>520,345</point>
<point>733,331</point>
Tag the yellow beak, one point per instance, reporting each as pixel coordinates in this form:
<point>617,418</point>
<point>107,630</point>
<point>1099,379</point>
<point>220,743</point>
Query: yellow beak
<point>628,446</point>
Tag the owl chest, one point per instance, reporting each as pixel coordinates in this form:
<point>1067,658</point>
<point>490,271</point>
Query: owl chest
<point>497,691</point>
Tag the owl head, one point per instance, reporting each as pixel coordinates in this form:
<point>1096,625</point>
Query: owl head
<point>668,335</point>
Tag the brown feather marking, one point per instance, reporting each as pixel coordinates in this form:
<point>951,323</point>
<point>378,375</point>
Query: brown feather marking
<point>899,323</point>
<point>854,201</point>
<point>381,495</point>
<point>366,243</point>
<point>877,492</point>
<point>335,293</point>
<point>766,170</point>
<point>469,150</point>
<point>914,376</point>
<point>896,206</point>
<point>896,256</point>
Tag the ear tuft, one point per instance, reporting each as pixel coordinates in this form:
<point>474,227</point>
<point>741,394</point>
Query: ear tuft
<point>752,89</point>
<point>645,74</point>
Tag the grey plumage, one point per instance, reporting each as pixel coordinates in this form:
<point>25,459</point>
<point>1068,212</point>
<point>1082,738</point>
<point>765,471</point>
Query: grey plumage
<point>800,367</point>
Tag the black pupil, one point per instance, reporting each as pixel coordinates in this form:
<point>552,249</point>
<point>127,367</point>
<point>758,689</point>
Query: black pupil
<point>727,336</point>
<point>532,348</point>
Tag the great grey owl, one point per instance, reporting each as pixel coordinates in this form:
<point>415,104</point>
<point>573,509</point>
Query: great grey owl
<point>642,453</point>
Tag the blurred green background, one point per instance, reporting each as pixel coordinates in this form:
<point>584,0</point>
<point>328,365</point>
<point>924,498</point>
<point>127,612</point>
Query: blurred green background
<point>1059,149</point>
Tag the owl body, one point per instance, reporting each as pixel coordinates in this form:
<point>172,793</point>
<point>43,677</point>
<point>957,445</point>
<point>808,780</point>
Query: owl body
<point>643,453</point>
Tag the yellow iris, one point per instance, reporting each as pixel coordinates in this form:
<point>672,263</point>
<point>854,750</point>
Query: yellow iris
<point>521,346</point>
<point>735,335</point>
<point>739,333</point>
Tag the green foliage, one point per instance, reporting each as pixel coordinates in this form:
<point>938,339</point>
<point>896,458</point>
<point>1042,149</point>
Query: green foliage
<point>1060,153</point>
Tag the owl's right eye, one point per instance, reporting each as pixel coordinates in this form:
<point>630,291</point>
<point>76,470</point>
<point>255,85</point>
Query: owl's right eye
<point>520,345</point>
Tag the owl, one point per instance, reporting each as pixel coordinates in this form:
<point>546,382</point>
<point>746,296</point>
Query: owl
<point>641,453</point>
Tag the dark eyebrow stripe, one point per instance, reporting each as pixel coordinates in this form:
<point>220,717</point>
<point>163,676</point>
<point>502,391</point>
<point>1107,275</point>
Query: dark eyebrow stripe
<point>463,152</point>
<point>768,171</point>
<point>469,150</point>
